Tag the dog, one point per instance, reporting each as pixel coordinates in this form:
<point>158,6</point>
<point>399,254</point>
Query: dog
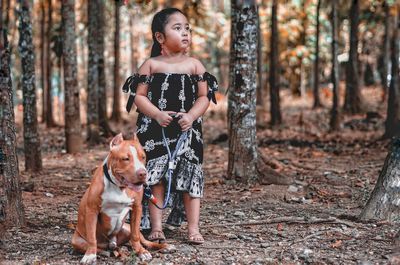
<point>116,188</point>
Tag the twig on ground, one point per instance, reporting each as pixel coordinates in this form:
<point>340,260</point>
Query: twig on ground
<point>289,220</point>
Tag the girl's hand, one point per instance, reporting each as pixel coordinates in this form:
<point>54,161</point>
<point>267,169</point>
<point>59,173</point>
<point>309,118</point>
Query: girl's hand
<point>185,121</point>
<point>164,118</point>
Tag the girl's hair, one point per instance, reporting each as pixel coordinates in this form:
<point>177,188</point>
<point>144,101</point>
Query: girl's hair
<point>159,21</point>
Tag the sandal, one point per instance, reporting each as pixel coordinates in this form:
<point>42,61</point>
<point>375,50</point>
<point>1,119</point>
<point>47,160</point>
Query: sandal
<point>156,235</point>
<point>195,239</point>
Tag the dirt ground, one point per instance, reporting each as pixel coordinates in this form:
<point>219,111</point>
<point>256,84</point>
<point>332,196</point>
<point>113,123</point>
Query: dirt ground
<point>312,221</point>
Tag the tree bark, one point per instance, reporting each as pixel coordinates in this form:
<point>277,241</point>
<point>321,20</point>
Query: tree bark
<point>49,71</point>
<point>317,101</point>
<point>276,117</point>
<point>386,52</point>
<point>43,57</point>
<point>384,203</point>
<point>103,120</point>
<point>392,124</point>
<point>260,89</point>
<point>116,113</point>
<point>11,207</point>
<point>335,115</point>
<point>353,98</point>
<point>93,76</point>
<point>242,97</point>
<point>33,158</point>
<point>73,138</point>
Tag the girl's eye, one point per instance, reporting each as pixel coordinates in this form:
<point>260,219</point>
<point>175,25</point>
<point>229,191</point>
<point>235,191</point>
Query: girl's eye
<point>125,159</point>
<point>178,28</point>
<point>144,157</point>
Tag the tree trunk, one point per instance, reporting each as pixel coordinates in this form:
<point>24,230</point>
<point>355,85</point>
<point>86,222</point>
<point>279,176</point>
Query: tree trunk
<point>73,138</point>
<point>11,207</point>
<point>276,117</point>
<point>103,120</point>
<point>242,97</point>
<point>317,101</point>
<point>93,75</point>
<point>134,67</point>
<point>33,159</point>
<point>259,64</point>
<point>384,203</point>
<point>392,124</point>
<point>43,57</point>
<point>116,113</point>
<point>386,50</point>
<point>335,115</point>
<point>49,72</point>
<point>353,99</point>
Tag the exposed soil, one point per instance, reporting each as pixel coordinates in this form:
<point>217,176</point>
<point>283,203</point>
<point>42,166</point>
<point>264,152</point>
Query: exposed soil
<point>312,221</point>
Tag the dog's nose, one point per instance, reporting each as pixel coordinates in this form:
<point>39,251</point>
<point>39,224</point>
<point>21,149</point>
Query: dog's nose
<point>141,173</point>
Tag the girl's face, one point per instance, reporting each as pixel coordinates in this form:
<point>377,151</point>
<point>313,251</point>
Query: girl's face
<point>177,35</point>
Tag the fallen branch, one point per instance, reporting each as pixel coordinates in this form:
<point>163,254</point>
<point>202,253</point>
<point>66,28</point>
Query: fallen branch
<point>289,220</point>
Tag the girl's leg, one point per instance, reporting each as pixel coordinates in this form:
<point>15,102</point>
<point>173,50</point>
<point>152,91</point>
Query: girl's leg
<point>192,208</point>
<point>156,214</point>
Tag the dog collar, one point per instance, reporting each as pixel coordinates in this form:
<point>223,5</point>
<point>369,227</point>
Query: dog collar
<point>105,170</point>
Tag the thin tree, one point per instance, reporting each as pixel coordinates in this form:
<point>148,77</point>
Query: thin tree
<point>72,110</point>
<point>103,119</point>
<point>11,207</point>
<point>259,63</point>
<point>317,100</point>
<point>33,158</point>
<point>353,99</point>
<point>276,117</point>
<point>242,97</point>
<point>43,56</point>
<point>386,51</point>
<point>335,115</point>
<point>392,124</point>
<point>93,76</point>
<point>116,112</point>
<point>49,71</point>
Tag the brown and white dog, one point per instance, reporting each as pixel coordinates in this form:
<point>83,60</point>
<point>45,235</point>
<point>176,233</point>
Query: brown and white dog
<point>116,188</point>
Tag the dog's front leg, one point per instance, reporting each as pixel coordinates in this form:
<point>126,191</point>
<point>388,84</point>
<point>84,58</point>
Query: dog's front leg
<point>91,224</point>
<point>136,216</point>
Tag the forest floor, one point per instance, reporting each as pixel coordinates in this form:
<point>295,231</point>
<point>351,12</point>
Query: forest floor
<point>312,221</point>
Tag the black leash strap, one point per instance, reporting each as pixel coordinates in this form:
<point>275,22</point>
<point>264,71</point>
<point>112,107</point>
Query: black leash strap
<point>105,170</point>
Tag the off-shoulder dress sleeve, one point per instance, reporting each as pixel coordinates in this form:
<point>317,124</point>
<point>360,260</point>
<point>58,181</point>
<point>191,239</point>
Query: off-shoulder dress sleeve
<point>212,85</point>
<point>130,87</point>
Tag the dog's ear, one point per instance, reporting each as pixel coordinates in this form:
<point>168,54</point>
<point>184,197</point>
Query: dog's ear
<point>116,141</point>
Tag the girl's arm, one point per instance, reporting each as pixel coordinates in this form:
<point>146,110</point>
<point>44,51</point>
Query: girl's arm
<point>200,105</point>
<point>143,103</point>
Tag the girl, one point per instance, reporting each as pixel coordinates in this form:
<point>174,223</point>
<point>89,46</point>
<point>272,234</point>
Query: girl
<point>170,83</point>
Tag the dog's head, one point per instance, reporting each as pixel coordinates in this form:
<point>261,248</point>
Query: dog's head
<point>127,161</point>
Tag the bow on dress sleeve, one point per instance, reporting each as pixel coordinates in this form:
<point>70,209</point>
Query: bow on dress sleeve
<point>211,83</point>
<point>130,87</point>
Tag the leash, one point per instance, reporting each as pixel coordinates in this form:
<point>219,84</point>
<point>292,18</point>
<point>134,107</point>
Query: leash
<point>171,166</point>
<point>105,170</point>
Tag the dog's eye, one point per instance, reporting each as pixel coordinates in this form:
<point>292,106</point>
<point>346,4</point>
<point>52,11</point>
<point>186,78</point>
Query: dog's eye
<point>143,157</point>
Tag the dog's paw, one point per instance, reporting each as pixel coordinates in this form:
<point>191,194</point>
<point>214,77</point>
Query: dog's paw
<point>145,256</point>
<point>89,259</point>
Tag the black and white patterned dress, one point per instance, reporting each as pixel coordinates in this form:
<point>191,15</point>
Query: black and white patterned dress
<point>172,92</point>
